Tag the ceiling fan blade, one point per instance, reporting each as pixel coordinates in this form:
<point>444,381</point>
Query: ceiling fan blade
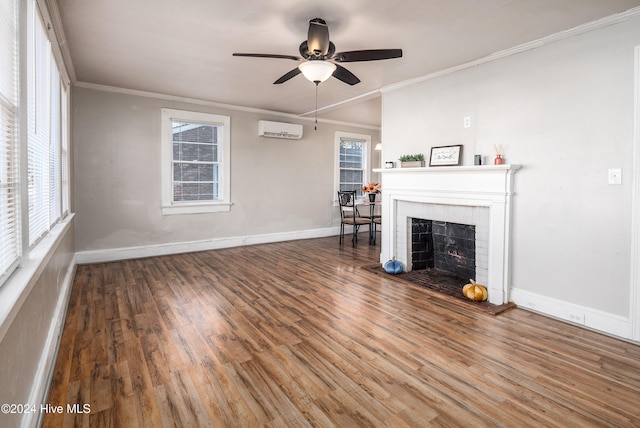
<point>318,37</point>
<point>345,75</point>
<point>367,55</point>
<point>258,55</point>
<point>289,75</point>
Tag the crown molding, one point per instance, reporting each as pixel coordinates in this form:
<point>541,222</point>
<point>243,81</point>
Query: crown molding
<point>126,91</point>
<point>359,98</point>
<point>562,35</point>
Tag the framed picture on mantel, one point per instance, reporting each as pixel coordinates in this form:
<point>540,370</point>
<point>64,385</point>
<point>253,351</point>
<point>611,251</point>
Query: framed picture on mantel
<point>446,156</point>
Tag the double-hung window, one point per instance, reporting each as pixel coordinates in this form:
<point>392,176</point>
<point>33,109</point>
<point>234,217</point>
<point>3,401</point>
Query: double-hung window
<point>9,220</point>
<point>38,88</point>
<point>46,123</point>
<point>195,162</point>
<point>352,161</point>
<point>35,197</point>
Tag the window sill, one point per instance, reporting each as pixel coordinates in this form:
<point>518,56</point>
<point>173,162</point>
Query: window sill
<point>196,208</point>
<point>17,288</point>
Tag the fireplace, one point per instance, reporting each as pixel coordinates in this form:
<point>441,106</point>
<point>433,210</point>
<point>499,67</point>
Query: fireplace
<point>475,218</point>
<point>477,196</point>
<point>442,245</point>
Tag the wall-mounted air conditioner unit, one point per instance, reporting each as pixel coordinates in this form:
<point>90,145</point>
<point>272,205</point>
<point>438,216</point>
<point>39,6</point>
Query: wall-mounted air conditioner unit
<point>289,131</point>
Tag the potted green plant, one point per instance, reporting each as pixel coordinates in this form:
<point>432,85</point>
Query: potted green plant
<point>412,161</point>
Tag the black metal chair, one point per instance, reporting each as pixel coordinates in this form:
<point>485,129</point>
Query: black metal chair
<point>371,212</point>
<point>376,221</point>
<point>349,215</point>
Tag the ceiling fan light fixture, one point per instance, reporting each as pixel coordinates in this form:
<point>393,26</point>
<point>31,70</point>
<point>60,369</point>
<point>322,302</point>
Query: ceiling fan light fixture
<point>317,71</point>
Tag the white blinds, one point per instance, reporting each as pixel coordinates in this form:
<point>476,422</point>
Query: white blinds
<point>39,121</point>
<point>45,120</point>
<point>9,220</point>
<point>64,149</point>
<point>54,150</point>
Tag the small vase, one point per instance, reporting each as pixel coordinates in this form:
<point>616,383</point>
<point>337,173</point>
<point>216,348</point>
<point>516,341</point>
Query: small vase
<point>372,197</point>
<point>498,160</point>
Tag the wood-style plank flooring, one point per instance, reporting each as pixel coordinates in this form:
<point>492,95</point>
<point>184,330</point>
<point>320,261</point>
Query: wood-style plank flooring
<point>297,334</point>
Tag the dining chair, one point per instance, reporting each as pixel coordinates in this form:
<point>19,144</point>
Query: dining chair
<point>371,211</point>
<point>349,214</point>
<point>376,221</point>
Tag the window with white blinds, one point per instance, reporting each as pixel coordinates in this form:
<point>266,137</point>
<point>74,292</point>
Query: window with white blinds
<point>47,175</point>
<point>44,121</point>
<point>55,207</point>
<point>9,219</point>
<point>64,150</point>
<point>38,92</point>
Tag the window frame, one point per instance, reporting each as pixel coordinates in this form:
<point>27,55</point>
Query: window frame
<point>171,207</point>
<point>45,118</point>
<point>42,105</point>
<point>366,176</point>
<point>39,94</point>
<point>10,180</point>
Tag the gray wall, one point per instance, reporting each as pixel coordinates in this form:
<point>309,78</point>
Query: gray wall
<point>27,348</point>
<point>565,112</point>
<point>277,186</point>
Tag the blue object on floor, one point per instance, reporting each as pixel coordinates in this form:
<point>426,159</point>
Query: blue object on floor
<point>393,267</point>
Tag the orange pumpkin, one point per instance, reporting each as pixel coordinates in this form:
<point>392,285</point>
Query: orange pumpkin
<point>475,291</point>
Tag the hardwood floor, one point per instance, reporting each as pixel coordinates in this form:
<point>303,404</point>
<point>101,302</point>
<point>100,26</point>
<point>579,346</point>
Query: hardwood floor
<point>298,334</point>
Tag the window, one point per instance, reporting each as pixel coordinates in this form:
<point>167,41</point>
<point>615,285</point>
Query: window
<point>38,87</point>
<point>46,123</point>
<point>64,150</point>
<point>41,190</point>
<point>352,161</point>
<point>55,202</point>
<point>9,221</point>
<point>195,162</point>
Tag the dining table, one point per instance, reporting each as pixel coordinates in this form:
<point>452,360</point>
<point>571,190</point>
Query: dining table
<point>370,213</point>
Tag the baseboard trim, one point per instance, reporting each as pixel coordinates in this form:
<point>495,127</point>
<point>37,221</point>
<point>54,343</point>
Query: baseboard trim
<point>116,254</point>
<point>604,322</point>
<point>46,367</point>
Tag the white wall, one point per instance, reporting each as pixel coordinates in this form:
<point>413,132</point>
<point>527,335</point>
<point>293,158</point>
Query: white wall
<point>565,112</point>
<point>280,189</point>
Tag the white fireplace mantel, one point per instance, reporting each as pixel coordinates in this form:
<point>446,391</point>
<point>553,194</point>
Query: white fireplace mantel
<point>490,186</point>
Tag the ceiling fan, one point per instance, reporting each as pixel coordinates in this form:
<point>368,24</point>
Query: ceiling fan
<point>319,57</point>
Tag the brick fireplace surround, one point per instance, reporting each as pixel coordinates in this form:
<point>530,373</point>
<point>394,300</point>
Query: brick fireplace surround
<point>475,195</point>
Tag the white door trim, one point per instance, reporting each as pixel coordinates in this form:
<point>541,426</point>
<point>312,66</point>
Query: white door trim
<point>634,297</point>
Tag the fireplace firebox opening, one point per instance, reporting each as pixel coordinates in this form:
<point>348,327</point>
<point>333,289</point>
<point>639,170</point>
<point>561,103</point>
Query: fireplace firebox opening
<point>445,246</point>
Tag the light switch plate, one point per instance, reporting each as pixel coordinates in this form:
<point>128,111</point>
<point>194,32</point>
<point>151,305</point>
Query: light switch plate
<point>615,175</point>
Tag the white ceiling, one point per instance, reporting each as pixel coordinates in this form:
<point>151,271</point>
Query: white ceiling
<point>184,48</point>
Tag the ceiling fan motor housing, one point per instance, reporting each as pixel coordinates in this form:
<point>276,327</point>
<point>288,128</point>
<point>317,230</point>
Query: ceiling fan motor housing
<point>318,38</point>
<point>306,53</point>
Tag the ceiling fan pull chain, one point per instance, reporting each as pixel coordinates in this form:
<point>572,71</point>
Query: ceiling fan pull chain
<point>315,128</point>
